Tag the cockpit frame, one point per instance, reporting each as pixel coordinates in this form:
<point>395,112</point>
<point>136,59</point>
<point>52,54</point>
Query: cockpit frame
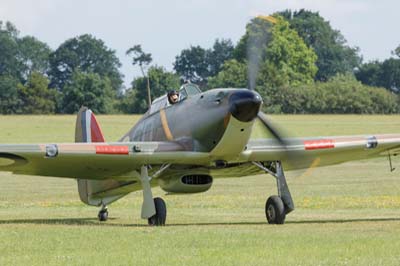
<point>185,91</point>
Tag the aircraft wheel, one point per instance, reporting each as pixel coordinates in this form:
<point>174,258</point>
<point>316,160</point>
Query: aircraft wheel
<point>275,210</point>
<point>103,215</point>
<point>159,218</point>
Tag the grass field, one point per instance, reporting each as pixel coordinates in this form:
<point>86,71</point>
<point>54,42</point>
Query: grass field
<point>346,215</point>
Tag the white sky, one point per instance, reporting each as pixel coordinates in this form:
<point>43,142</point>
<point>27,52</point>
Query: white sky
<point>164,28</point>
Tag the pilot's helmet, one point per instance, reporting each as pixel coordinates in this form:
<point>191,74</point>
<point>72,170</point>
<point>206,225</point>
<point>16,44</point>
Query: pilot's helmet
<point>170,94</point>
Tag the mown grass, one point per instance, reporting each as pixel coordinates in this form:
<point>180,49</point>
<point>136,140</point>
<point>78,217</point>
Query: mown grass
<point>347,214</point>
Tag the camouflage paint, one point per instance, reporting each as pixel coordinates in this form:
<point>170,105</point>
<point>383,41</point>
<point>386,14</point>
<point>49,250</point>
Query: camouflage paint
<point>198,123</point>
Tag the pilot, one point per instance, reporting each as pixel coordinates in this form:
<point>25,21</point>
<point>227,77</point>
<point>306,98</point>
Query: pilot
<point>173,97</point>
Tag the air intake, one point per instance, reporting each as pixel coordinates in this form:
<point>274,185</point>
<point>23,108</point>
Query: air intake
<point>197,179</point>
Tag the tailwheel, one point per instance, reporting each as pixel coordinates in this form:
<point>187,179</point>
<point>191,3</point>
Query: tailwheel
<point>159,218</point>
<point>103,215</point>
<point>275,210</point>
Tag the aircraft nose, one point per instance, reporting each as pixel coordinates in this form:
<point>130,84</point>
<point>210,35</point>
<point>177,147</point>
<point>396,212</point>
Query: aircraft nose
<point>244,105</point>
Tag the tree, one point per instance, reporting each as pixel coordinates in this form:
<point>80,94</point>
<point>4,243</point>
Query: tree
<point>143,60</point>
<point>88,89</point>
<point>334,55</point>
<point>288,60</point>
<point>252,47</point>
<point>134,100</point>
<point>36,97</point>
<point>139,57</point>
<point>232,75</point>
<point>21,56</point>
<point>197,64</point>
<point>254,42</point>
<point>370,73</point>
<point>390,74</point>
<point>397,51</point>
<point>9,29</point>
<point>9,64</point>
<point>347,95</point>
<point>33,56</point>
<point>85,54</point>
<point>192,65</point>
<point>275,56</point>
<point>9,102</point>
<point>383,74</point>
<point>221,52</point>
<point>341,94</point>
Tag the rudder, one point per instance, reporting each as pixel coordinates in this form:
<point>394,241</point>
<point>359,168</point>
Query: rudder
<point>87,128</point>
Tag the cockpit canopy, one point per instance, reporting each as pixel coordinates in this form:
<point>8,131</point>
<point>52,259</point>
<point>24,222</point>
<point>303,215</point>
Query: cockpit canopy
<point>185,91</point>
<point>188,90</point>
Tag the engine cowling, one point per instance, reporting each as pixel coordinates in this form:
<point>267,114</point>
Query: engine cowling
<point>188,183</point>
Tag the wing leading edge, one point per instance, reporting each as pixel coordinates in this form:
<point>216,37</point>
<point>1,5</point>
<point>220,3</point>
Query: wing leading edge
<point>302,153</point>
<point>99,161</point>
<point>96,161</point>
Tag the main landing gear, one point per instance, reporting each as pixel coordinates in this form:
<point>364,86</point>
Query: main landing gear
<point>103,214</point>
<point>277,207</point>
<point>154,210</point>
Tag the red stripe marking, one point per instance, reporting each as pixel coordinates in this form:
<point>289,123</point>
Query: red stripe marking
<point>319,144</point>
<point>95,131</point>
<point>108,149</point>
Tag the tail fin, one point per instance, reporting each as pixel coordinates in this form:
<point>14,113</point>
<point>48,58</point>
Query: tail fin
<point>87,129</point>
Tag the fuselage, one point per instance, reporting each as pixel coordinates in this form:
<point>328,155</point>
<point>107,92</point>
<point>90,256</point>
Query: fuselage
<point>200,120</point>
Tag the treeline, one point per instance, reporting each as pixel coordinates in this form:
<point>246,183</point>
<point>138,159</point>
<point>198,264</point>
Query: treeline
<point>295,60</point>
<point>36,80</point>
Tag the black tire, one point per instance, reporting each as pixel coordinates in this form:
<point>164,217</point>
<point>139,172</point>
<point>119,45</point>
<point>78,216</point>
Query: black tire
<point>103,215</point>
<point>275,210</point>
<point>161,213</point>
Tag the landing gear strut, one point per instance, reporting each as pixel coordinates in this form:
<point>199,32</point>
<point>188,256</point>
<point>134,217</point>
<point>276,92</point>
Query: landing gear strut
<point>103,214</point>
<point>154,210</point>
<point>277,207</point>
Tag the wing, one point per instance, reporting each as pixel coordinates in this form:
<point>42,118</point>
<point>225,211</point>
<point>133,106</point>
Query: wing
<point>302,153</point>
<point>105,171</point>
<point>100,161</point>
<point>95,161</point>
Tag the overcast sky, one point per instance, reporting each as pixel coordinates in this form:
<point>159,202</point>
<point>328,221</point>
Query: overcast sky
<point>164,28</point>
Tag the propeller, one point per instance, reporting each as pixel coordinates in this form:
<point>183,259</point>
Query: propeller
<point>271,128</point>
<point>258,38</point>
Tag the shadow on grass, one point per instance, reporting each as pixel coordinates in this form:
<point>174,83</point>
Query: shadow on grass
<point>95,222</point>
<point>339,221</point>
<point>66,221</point>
